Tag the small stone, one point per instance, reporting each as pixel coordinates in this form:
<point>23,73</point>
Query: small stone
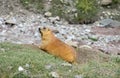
<point>54,74</point>
<point>11,21</point>
<point>66,64</point>
<point>108,13</point>
<point>74,10</point>
<point>48,14</point>
<point>106,2</point>
<point>20,68</point>
<point>62,1</point>
<point>54,19</point>
<point>93,37</point>
<point>55,31</point>
<point>27,65</point>
<point>1,20</point>
<point>72,43</point>
<point>57,18</point>
<point>2,49</point>
<point>48,66</point>
<point>105,22</point>
<point>78,76</point>
<point>85,46</point>
<point>108,23</point>
<point>9,67</point>
<point>87,30</point>
<point>3,32</point>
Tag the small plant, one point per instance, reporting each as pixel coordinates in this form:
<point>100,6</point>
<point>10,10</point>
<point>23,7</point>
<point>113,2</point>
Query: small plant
<point>55,5</point>
<point>116,1</point>
<point>61,8</point>
<point>86,10</point>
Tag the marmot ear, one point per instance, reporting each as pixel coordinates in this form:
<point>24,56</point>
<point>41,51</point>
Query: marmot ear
<point>39,29</point>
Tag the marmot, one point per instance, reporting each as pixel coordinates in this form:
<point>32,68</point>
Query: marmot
<point>55,46</point>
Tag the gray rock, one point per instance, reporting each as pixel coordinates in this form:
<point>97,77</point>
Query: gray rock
<point>48,14</point>
<point>66,64</point>
<point>78,76</point>
<point>54,19</point>
<point>54,74</point>
<point>108,23</point>
<point>11,20</point>
<point>48,66</point>
<point>1,21</point>
<point>106,2</point>
<point>27,65</point>
<point>72,43</point>
<point>93,37</point>
<point>2,49</point>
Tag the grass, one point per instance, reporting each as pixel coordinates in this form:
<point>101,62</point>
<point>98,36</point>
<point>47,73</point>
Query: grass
<point>38,64</point>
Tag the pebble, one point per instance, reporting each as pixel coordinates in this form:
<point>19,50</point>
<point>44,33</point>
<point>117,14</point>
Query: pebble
<point>66,64</point>
<point>106,2</point>
<point>48,66</point>
<point>11,20</point>
<point>2,49</point>
<point>108,23</point>
<point>54,74</point>
<point>72,43</point>
<point>1,21</point>
<point>27,65</point>
<point>48,14</point>
<point>20,68</point>
<point>78,76</point>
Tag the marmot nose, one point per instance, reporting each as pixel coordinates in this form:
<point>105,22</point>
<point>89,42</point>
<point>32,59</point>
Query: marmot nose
<point>44,27</point>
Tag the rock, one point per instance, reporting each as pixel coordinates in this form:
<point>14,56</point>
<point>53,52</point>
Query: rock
<point>108,23</point>
<point>11,21</point>
<point>85,46</point>
<point>50,0</point>
<point>48,66</point>
<point>106,2</point>
<point>54,19</point>
<point>1,21</point>
<point>2,49</point>
<point>55,31</point>
<point>27,65</point>
<point>93,37</point>
<point>20,68</point>
<point>104,22</point>
<point>87,30</point>
<point>72,43</point>
<point>3,32</point>
<point>78,76</point>
<point>66,64</point>
<point>48,14</point>
<point>54,75</point>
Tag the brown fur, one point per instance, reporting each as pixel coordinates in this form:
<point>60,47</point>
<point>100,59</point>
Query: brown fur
<point>54,46</point>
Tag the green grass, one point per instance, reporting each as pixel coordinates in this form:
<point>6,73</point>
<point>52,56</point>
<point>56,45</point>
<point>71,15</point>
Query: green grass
<point>13,55</point>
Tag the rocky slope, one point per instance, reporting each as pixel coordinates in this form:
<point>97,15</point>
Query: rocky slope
<point>21,26</point>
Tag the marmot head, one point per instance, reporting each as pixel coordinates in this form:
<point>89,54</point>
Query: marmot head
<point>45,32</point>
